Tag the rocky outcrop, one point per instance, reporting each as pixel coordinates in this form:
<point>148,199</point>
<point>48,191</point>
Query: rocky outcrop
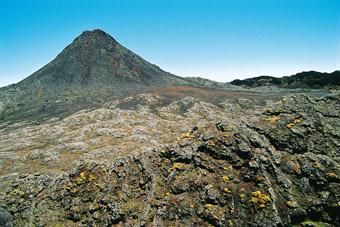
<point>277,167</point>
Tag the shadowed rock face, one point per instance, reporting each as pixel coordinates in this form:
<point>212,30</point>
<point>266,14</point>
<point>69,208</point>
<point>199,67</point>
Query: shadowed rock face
<point>144,161</point>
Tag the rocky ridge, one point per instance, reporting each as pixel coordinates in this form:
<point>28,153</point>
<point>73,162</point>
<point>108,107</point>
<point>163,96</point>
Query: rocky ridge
<point>310,79</point>
<point>138,162</point>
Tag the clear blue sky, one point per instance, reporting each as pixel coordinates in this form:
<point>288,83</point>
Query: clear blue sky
<point>220,40</point>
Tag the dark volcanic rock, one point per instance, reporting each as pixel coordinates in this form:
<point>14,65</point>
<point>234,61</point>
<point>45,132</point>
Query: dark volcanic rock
<point>276,168</point>
<point>5,218</point>
<point>310,79</point>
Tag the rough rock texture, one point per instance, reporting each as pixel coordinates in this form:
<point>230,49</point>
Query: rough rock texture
<point>139,162</point>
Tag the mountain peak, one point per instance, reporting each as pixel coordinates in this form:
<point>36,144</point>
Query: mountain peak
<point>93,65</point>
<point>95,32</point>
<point>95,36</point>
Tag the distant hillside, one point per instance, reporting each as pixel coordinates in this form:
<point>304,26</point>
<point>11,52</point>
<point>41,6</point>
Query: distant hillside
<point>309,79</point>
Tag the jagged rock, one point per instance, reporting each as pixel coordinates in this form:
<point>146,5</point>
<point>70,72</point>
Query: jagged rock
<point>267,169</point>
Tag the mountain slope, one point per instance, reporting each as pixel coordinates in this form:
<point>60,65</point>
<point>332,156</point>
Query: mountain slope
<point>95,58</point>
<point>309,79</point>
<point>92,68</point>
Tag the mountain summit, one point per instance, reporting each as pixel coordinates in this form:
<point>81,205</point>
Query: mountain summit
<point>93,68</point>
<point>96,60</point>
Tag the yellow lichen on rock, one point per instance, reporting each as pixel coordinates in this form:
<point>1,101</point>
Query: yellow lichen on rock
<point>293,123</point>
<point>260,198</point>
<point>226,168</point>
<point>317,165</point>
<point>272,119</point>
<point>264,198</point>
<point>227,190</point>
<point>254,200</point>
<point>209,206</point>
<point>73,190</point>
<point>332,175</point>
<point>82,175</point>
<point>256,193</point>
<point>81,178</point>
<point>186,135</point>
<point>91,177</point>
<point>211,143</point>
<point>225,179</point>
<point>292,203</point>
<point>19,192</point>
<point>177,166</point>
<point>230,222</point>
